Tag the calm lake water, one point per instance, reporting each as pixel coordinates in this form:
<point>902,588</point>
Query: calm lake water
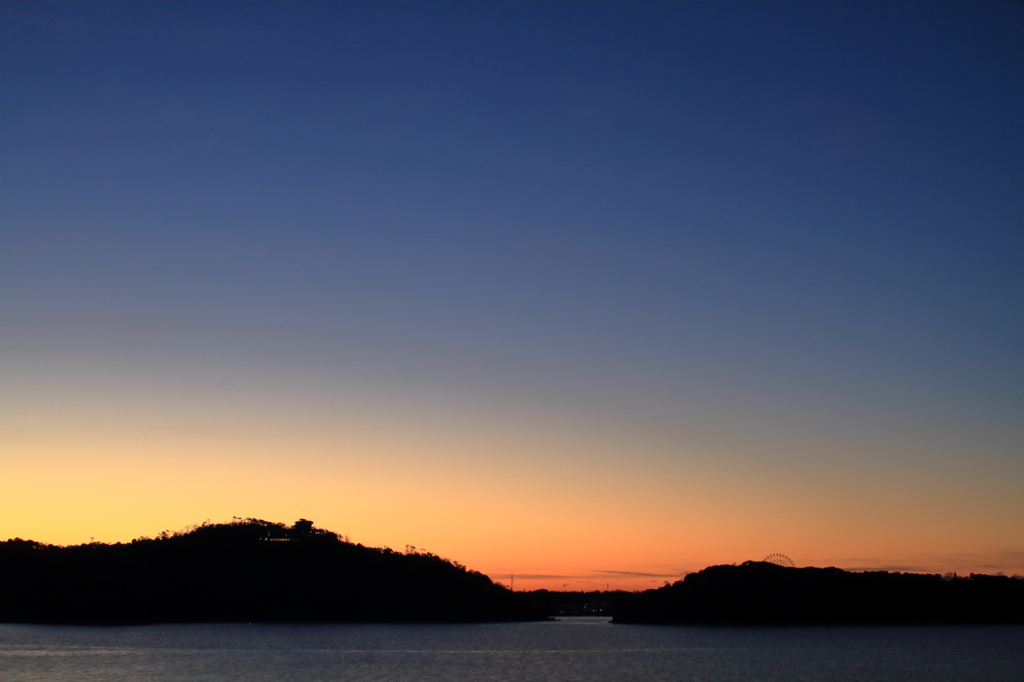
<point>587,649</point>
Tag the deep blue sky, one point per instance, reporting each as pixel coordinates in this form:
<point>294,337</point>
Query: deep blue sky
<point>775,219</point>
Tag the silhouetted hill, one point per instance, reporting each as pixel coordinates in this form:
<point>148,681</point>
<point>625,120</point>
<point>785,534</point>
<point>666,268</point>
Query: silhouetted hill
<point>245,571</point>
<point>759,593</point>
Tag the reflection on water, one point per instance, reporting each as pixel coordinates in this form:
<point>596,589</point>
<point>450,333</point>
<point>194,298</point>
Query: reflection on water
<point>561,650</point>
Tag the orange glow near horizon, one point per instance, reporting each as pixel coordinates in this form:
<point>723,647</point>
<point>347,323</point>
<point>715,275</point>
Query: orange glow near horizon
<point>554,522</point>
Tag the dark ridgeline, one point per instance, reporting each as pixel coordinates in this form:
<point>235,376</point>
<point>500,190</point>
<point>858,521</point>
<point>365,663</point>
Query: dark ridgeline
<point>245,571</point>
<point>761,593</point>
<point>252,570</point>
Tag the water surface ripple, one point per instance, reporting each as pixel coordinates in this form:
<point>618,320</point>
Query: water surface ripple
<point>568,650</point>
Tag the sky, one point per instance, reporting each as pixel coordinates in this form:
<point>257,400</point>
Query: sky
<point>592,294</point>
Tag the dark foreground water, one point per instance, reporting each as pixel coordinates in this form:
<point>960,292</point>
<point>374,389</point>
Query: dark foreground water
<point>572,649</point>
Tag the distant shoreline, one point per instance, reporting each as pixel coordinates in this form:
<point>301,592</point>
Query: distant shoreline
<point>255,571</point>
<point>246,571</point>
<point>762,593</point>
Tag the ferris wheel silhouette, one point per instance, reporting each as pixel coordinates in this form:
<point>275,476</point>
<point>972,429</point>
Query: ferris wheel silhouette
<point>780,560</point>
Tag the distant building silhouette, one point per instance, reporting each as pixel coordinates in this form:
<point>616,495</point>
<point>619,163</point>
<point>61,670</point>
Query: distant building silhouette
<point>301,530</point>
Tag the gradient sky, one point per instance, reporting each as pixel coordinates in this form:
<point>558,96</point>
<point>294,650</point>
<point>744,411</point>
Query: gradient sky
<point>592,293</point>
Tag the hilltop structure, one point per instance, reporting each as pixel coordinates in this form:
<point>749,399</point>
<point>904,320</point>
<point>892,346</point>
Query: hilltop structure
<point>299,531</point>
